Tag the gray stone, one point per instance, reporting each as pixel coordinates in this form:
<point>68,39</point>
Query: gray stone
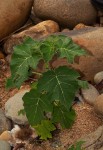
<point>90,94</point>
<point>66,12</point>
<point>4,145</point>
<point>13,105</point>
<point>5,123</point>
<point>98,77</point>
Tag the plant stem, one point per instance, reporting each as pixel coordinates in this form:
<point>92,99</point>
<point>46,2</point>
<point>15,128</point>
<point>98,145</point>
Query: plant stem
<point>37,73</point>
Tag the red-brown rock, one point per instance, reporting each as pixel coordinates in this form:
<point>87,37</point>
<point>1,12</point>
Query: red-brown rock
<point>90,39</point>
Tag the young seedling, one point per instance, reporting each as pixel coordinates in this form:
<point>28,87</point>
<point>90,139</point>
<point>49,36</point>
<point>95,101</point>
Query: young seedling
<point>55,90</point>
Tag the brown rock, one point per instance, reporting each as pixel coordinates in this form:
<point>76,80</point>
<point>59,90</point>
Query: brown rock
<point>80,26</point>
<point>90,39</point>
<point>36,32</point>
<point>68,13</point>
<point>98,105</point>
<point>13,14</point>
<point>65,30</point>
<point>6,135</point>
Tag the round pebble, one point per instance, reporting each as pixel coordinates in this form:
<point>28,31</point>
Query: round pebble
<point>98,105</point>
<point>98,77</point>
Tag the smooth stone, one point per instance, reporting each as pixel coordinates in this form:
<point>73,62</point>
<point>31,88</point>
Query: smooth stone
<point>98,77</point>
<point>65,30</point>
<point>67,13</point>
<point>13,15</point>
<point>4,145</point>
<point>98,105</point>
<point>6,136</point>
<point>13,105</point>
<point>90,94</point>
<point>80,26</point>
<point>5,123</point>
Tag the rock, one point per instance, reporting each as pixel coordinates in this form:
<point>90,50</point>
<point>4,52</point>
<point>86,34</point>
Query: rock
<point>98,105</point>
<point>80,26</point>
<point>13,105</point>
<point>94,140</point>
<point>66,12</point>
<point>5,124</point>
<point>6,136</point>
<point>98,77</point>
<point>13,14</point>
<point>36,32</point>
<point>90,94</point>
<point>91,39</point>
<point>65,30</point>
<point>4,145</point>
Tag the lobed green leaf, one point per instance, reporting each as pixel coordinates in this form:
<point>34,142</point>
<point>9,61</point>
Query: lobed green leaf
<point>35,104</point>
<point>63,116</point>
<point>77,146</point>
<point>25,56</point>
<point>44,129</point>
<point>68,49</point>
<point>61,83</point>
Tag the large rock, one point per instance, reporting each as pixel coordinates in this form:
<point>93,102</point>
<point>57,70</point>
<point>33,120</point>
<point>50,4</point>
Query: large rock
<point>38,31</point>
<point>66,12</point>
<point>13,105</point>
<point>13,14</point>
<point>5,123</point>
<point>91,39</point>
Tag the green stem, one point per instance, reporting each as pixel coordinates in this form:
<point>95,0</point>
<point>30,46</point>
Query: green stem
<point>37,73</point>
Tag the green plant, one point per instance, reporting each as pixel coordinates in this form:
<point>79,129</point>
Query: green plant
<point>55,89</point>
<point>77,146</point>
